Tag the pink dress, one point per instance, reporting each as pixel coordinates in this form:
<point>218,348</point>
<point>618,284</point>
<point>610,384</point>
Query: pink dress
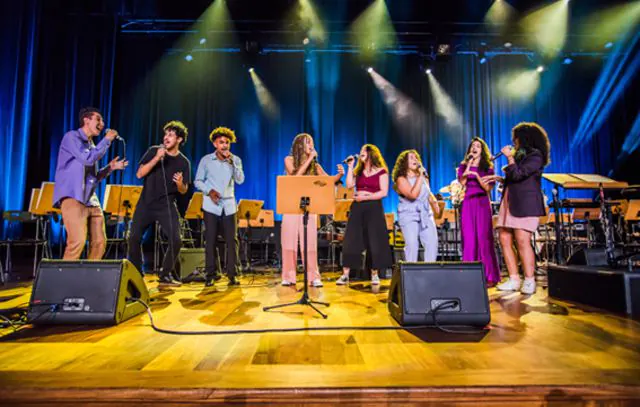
<point>506,220</point>
<point>292,237</point>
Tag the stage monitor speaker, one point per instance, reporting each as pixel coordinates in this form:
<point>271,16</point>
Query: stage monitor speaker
<point>594,257</point>
<point>191,264</point>
<point>86,292</point>
<point>417,289</point>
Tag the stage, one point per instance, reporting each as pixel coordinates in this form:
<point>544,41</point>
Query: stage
<point>535,352</point>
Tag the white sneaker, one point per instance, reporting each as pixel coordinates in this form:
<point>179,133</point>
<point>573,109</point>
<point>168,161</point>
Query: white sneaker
<point>287,283</point>
<point>316,283</point>
<point>509,285</point>
<point>343,280</point>
<point>375,280</point>
<point>529,286</point>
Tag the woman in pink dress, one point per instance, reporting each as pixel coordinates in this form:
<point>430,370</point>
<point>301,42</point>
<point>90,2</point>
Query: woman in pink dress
<point>301,161</point>
<point>475,214</point>
<point>522,203</point>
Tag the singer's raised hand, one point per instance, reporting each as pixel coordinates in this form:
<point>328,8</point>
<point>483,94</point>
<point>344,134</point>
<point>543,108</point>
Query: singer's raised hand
<point>313,154</point>
<point>161,153</point>
<point>117,164</point>
<point>340,169</point>
<point>111,134</point>
<point>507,151</point>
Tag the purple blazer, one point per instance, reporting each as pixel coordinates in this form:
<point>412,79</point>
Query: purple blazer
<point>523,179</point>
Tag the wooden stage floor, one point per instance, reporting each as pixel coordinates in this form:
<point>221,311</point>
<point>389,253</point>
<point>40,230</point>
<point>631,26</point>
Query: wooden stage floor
<point>535,352</point>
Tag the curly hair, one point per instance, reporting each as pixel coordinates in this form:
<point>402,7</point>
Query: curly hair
<point>179,128</point>
<point>375,157</point>
<point>532,137</point>
<point>223,132</point>
<point>401,168</point>
<point>485,156</point>
<point>300,156</point>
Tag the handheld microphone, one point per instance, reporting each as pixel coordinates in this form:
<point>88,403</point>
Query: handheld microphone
<point>469,157</point>
<point>117,135</point>
<point>349,158</point>
<point>500,154</point>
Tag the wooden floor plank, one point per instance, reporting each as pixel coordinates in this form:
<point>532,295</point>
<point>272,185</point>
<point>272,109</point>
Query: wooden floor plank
<point>531,341</point>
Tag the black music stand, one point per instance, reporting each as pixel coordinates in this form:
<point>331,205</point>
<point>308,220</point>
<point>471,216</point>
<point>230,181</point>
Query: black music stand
<point>314,194</point>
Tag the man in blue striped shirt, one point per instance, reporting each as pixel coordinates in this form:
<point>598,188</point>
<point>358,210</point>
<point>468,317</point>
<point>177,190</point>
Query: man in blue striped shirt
<point>216,177</point>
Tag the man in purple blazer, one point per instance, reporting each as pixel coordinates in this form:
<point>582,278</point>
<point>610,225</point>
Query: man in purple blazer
<point>77,177</point>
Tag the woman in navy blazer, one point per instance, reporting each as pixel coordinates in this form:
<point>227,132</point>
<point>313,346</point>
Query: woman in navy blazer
<point>522,203</point>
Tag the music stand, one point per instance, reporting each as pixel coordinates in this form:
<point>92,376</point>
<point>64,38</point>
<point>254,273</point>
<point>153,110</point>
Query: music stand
<point>194,212</point>
<point>343,208</point>
<point>265,219</point>
<point>249,210</point>
<point>303,195</point>
<point>344,193</point>
<point>121,201</point>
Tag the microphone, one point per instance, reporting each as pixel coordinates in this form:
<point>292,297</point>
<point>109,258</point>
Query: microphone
<point>469,157</point>
<point>117,135</point>
<point>349,158</point>
<point>500,154</point>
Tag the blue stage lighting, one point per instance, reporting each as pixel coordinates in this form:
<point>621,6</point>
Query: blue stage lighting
<point>188,58</point>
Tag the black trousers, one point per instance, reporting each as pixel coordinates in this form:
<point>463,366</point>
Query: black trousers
<point>169,220</point>
<point>366,230</point>
<point>212,224</point>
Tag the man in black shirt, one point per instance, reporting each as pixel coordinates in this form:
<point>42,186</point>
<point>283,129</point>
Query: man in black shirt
<point>167,173</point>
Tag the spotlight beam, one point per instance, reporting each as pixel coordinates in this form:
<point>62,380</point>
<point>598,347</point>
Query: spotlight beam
<point>405,113</point>
<point>265,99</point>
<point>444,105</point>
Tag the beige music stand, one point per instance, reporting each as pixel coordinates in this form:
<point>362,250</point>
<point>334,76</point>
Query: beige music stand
<point>121,200</point>
<point>581,214</point>
<point>194,210</point>
<point>343,207</point>
<point>265,219</point>
<point>304,195</point>
<point>344,193</point>
<point>318,188</point>
<point>33,201</point>
<point>45,200</point>
<point>633,211</point>
<point>447,215</point>
<point>249,209</point>
<point>389,219</point>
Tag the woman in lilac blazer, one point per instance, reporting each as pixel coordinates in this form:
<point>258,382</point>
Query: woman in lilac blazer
<point>522,203</point>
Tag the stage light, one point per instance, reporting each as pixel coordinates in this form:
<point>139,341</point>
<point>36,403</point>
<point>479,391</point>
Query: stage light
<point>428,71</point>
<point>188,58</point>
<point>608,45</point>
<point>519,84</point>
<point>611,23</point>
<point>540,69</point>
<point>369,69</point>
<point>615,78</point>
<point>312,22</point>
<point>251,70</point>
<point>305,41</point>
<point>203,41</point>
<point>482,55</point>
<point>499,13</point>
<point>373,26</point>
<point>508,44</point>
<point>483,60</point>
<point>548,28</point>
<point>567,61</point>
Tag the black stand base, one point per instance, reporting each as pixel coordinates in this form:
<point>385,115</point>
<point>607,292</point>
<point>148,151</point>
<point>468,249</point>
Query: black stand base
<point>304,300</point>
<point>304,203</point>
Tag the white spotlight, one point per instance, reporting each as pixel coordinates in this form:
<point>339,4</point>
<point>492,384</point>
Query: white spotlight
<point>369,69</point>
<point>540,69</point>
<point>251,69</point>
<point>508,45</point>
<point>202,41</point>
<point>428,71</point>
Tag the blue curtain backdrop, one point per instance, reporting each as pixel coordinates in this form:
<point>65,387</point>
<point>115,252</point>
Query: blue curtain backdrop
<point>54,63</point>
